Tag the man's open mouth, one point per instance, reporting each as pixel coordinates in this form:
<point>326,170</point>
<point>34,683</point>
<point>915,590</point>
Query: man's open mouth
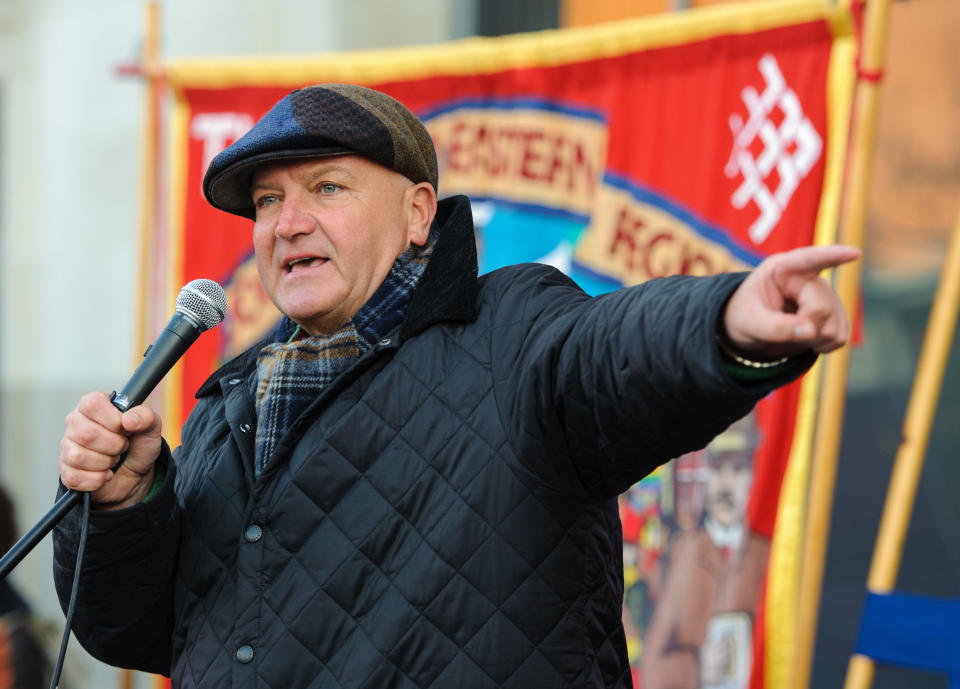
<point>305,262</point>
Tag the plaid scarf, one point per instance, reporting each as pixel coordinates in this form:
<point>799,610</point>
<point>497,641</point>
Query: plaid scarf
<point>296,368</point>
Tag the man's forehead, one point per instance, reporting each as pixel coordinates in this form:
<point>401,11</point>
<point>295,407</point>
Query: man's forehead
<point>351,168</point>
<point>306,169</point>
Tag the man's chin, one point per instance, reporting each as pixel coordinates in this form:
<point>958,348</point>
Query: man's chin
<point>307,310</point>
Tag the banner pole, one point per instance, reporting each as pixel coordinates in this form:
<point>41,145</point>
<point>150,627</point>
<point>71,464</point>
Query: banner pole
<point>149,154</point>
<point>913,446</point>
<point>847,283</point>
<point>148,173</point>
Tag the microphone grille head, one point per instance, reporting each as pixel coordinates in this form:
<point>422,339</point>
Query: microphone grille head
<point>204,300</point>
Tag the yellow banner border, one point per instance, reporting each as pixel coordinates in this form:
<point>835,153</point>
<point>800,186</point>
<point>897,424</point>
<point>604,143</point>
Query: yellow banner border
<point>783,572</point>
<point>176,222</point>
<point>486,55</point>
<point>546,49</point>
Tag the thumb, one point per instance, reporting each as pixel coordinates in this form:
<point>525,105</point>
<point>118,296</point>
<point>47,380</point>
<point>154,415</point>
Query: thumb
<point>143,426</point>
<point>141,420</point>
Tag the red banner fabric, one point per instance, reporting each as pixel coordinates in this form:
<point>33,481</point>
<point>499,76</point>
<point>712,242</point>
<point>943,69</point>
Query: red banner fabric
<point>693,158</point>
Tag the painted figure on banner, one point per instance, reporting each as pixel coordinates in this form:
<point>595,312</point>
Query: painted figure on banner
<point>250,312</point>
<point>701,581</point>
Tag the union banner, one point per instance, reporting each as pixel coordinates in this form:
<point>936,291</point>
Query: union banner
<point>691,143</point>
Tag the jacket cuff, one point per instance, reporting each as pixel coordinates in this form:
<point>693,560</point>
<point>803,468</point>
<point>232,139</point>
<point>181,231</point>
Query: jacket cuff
<point>747,376</point>
<point>116,534</point>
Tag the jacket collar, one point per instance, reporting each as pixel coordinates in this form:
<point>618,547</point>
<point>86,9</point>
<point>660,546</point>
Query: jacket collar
<point>447,290</point>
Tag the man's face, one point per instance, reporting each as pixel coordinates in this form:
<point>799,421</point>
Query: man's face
<point>728,491</point>
<point>327,232</point>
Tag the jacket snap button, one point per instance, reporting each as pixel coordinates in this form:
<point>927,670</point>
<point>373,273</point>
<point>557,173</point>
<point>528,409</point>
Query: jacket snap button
<point>385,342</point>
<point>245,427</point>
<point>253,533</point>
<point>245,654</point>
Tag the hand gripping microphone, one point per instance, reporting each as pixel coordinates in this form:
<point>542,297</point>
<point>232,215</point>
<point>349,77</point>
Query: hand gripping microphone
<point>201,305</point>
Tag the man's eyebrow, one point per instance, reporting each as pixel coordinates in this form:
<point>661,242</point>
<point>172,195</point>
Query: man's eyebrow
<point>316,173</point>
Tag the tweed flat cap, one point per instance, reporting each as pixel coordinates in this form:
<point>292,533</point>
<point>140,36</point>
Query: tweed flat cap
<point>317,121</point>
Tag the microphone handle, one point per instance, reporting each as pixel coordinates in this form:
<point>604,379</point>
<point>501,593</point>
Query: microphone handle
<point>170,345</point>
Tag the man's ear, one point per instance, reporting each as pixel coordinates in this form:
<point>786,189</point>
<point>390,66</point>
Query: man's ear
<point>421,209</point>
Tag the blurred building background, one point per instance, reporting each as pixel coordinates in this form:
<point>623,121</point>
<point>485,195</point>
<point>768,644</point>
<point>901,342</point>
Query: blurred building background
<point>69,166</point>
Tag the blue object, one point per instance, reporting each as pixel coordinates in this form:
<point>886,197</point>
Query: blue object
<point>920,632</point>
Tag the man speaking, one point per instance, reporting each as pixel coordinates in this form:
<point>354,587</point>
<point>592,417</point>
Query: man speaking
<point>412,481</point>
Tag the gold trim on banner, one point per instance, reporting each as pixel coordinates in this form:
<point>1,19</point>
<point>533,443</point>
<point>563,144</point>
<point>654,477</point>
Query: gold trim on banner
<point>545,49</point>
<point>832,404</point>
<point>784,565</point>
<point>484,55</point>
<point>841,80</point>
<point>179,131</point>
<point>783,574</point>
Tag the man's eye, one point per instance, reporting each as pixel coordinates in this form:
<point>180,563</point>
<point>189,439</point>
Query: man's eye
<point>265,200</point>
<point>328,188</point>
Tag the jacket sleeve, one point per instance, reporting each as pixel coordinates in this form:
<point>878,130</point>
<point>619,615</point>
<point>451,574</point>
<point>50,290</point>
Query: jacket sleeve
<point>600,391</point>
<point>124,609</point>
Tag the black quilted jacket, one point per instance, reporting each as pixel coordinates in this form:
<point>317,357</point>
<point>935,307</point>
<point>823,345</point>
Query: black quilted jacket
<point>443,516</point>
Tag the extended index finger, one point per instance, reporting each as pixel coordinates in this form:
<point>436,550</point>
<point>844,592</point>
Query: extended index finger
<point>810,260</point>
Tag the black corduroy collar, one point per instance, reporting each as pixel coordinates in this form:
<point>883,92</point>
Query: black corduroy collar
<point>447,290</point>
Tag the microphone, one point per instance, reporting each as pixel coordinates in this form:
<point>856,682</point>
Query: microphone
<point>201,304</point>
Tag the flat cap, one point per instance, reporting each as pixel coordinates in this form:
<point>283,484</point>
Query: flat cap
<point>317,121</point>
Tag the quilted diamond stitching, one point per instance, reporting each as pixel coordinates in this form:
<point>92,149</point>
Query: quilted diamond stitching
<point>497,454</point>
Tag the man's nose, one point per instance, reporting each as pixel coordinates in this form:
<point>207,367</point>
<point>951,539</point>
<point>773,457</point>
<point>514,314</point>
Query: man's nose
<point>293,220</point>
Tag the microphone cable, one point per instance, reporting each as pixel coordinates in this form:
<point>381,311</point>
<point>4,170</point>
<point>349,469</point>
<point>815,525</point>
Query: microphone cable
<point>84,527</point>
<point>201,304</point>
